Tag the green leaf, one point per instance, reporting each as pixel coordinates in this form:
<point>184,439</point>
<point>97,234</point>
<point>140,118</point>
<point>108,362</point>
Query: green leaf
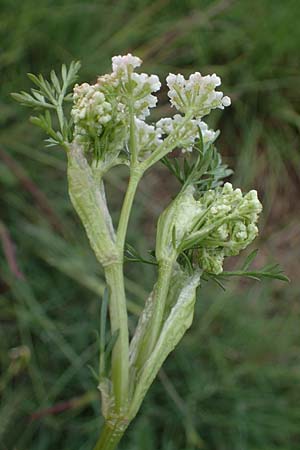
<point>111,343</point>
<point>205,172</point>
<point>250,258</point>
<point>55,81</point>
<point>131,255</point>
<point>50,95</point>
<point>38,101</point>
<point>271,271</point>
<point>258,275</point>
<point>94,373</point>
<point>64,73</point>
<point>36,80</point>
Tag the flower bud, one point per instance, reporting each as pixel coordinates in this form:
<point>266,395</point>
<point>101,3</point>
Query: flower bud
<point>211,260</point>
<point>221,223</point>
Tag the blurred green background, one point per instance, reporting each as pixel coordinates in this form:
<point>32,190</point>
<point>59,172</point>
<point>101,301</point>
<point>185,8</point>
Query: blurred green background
<point>234,381</point>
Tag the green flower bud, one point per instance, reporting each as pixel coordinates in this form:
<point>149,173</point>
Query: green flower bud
<point>211,260</point>
<point>221,223</point>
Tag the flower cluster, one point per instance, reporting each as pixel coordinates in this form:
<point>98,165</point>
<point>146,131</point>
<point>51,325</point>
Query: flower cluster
<point>221,223</point>
<point>197,95</point>
<point>186,132</point>
<point>130,90</point>
<point>90,111</point>
<point>229,225</point>
<point>103,112</point>
<point>148,138</point>
<point>99,109</point>
<point>211,260</point>
<point>123,66</point>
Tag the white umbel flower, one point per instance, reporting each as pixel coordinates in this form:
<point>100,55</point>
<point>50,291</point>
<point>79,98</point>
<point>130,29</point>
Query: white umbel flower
<point>197,95</point>
<point>130,90</point>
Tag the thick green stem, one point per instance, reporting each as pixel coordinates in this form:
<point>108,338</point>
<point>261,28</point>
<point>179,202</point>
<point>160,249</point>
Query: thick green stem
<point>119,323</point>
<point>109,438</point>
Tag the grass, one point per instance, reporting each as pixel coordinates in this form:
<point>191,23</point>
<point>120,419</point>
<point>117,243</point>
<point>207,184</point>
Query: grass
<point>234,381</point>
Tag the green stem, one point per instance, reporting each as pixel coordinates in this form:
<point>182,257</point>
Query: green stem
<point>109,438</point>
<point>135,176</point>
<point>160,297</point>
<point>119,323</point>
<point>117,305</point>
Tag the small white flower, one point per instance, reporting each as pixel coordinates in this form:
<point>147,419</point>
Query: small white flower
<point>187,132</point>
<point>148,138</point>
<point>226,101</point>
<point>143,87</point>
<point>123,63</point>
<point>208,135</point>
<point>132,86</point>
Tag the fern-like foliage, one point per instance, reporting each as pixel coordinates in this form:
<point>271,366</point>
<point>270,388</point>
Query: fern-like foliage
<point>269,271</point>
<point>50,96</point>
<point>205,172</point>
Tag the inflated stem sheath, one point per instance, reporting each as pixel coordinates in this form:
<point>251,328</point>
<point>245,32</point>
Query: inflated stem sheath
<point>89,202</point>
<point>177,322</point>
